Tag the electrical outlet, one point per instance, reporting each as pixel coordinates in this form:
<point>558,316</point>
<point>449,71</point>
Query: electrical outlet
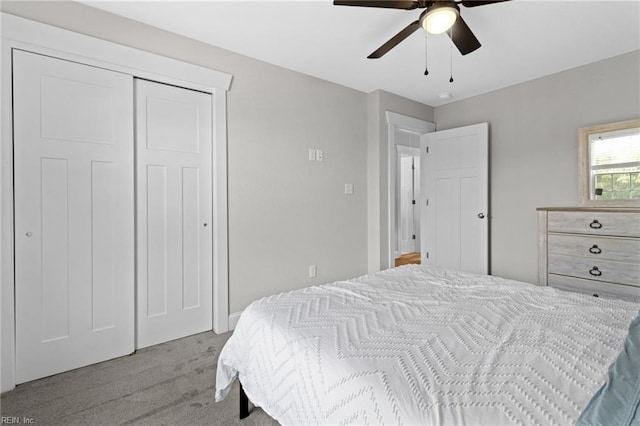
<point>312,155</point>
<point>313,271</point>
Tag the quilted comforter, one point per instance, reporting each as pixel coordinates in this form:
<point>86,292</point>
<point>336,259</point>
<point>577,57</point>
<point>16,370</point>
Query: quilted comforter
<point>422,346</point>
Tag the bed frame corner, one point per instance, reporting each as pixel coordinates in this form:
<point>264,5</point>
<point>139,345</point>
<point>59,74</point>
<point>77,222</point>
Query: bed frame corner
<point>244,403</point>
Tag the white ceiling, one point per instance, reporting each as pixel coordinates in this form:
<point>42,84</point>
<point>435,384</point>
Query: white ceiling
<point>521,40</point>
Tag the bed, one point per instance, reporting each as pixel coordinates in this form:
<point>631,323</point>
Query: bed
<point>418,345</point>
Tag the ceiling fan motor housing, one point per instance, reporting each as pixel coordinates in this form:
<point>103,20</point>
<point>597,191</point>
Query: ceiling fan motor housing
<point>439,17</point>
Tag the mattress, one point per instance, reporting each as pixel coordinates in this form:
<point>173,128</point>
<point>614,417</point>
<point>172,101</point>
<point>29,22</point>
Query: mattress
<point>422,345</point>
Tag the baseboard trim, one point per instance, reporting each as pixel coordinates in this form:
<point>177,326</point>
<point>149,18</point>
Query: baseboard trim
<point>233,320</point>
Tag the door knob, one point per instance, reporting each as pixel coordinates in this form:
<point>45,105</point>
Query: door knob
<point>480,215</point>
<point>28,234</point>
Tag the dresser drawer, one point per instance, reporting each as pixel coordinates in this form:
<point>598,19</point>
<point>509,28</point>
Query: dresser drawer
<point>601,289</point>
<point>599,270</point>
<point>595,223</point>
<point>596,248</point>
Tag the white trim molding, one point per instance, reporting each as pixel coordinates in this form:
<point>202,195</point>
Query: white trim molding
<point>410,124</point>
<point>233,320</point>
<point>24,34</point>
<point>48,40</point>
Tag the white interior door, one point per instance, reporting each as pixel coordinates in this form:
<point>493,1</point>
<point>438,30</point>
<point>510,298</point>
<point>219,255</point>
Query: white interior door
<point>408,226</point>
<point>455,219</point>
<point>174,229</point>
<point>74,237</point>
<point>417,195</point>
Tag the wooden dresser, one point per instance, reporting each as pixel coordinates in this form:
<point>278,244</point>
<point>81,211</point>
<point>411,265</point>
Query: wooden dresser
<point>590,250</point>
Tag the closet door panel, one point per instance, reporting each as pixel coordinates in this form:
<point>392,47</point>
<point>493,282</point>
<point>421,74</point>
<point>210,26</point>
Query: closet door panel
<point>190,237</point>
<point>103,258</point>
<point>173,133</point>
<point>73,162</point>
<point>156,241</point>
<point>54,240</point>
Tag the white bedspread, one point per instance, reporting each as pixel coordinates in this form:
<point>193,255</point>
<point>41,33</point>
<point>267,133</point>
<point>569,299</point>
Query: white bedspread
<point>420,346</point>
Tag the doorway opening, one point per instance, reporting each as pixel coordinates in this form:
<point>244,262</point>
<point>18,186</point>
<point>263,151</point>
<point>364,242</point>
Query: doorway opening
<point>404,148</point>
<point>407,208</point>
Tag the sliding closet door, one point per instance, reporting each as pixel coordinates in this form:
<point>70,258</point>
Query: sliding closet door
<point>174,233</point>
<point>74,237</point>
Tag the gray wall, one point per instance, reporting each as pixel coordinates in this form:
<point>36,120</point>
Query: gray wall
<point>285,212</point>
<point>533,131</point>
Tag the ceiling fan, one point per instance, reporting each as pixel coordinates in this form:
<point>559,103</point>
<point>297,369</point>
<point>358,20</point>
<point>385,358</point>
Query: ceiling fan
<point>438,17</point>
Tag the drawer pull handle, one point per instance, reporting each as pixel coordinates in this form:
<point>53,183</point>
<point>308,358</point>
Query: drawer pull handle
<point>595,225</point>
<point>595,249</point>
<point>595,271</point>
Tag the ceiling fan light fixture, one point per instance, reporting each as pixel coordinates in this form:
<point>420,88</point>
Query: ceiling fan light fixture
<point>439,19</point>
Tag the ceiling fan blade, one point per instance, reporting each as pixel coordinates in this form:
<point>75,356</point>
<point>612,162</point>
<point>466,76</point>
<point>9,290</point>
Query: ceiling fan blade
<point>463,37</point>
<point>395,40</point>
<point>474,3</point>
<point>389,4</point>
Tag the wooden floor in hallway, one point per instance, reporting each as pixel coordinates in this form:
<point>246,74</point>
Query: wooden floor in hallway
<point>408,258</point>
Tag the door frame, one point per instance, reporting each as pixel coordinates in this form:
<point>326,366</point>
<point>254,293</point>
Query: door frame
<point>24,34</point>
<point>395,122</point>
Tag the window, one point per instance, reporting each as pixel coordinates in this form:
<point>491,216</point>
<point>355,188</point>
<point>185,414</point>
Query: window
<point>615,164</point>
<point>610,164</point>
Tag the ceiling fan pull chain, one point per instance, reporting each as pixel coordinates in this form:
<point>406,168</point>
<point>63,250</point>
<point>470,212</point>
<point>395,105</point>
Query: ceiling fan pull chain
<point>426,57</point>
<point>451,56</point>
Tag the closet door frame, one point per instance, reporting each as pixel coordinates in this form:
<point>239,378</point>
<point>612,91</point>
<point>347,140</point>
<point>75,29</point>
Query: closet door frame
<point>24,34</point>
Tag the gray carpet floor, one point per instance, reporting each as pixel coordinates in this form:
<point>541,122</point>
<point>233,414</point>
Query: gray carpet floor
<point>168,384</point>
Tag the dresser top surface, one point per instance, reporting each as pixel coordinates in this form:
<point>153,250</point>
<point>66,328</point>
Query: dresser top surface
<point>591,209</point>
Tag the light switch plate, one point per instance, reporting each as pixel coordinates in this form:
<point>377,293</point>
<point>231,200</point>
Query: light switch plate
<point>348,189</point>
